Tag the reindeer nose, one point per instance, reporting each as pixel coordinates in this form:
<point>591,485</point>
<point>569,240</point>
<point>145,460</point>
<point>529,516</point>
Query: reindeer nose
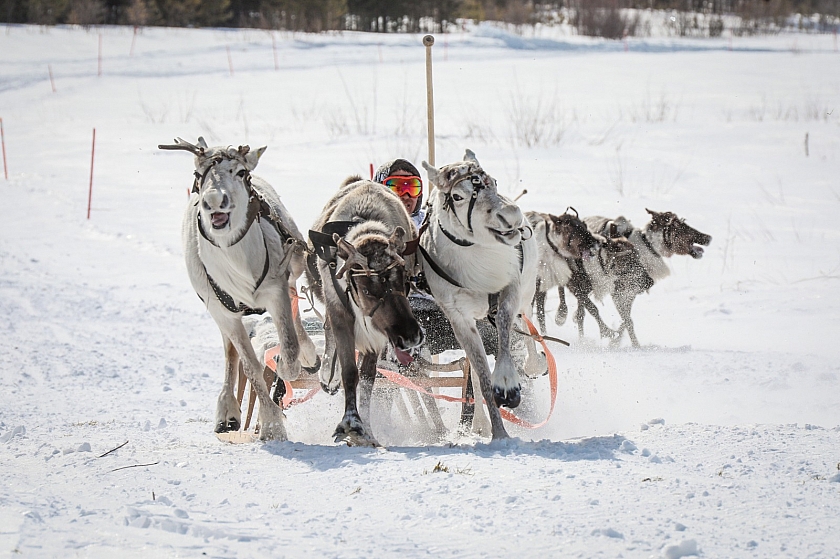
<point>216,200</point>
<point>510,216</point>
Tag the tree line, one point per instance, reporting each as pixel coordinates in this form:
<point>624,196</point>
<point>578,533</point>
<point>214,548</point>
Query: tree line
<point>606,18</point>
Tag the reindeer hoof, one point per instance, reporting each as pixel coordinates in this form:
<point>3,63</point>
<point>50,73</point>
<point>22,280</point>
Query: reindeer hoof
<point>314,368</point>
<point>231,424</point>
<point>353,436</point>
<point>508,398</point>
<point>331,391</point>
<point>279,391</point>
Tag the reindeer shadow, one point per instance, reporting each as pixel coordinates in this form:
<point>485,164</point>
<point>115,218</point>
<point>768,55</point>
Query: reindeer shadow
<point>325,458</point>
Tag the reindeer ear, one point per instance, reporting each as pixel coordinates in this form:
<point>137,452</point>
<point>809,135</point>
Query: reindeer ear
<point>397,239</point>
<point>253,157</point>
<point>434,174</point>
<point>612,229</point>
<point>469,155</point>
<point>201,142</point>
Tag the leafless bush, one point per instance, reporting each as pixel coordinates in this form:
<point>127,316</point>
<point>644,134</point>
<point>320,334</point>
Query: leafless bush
<point>137,13</point>
<point>86,12</point>
<point>536,121</point>
<point>604,18</point>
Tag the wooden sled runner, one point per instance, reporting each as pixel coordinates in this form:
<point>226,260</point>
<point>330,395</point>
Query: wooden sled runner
<point>418,389</point>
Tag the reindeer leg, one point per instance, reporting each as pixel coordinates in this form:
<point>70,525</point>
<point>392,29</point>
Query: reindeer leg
<point>367,376</point>
<point>351,428</point>
<point>624,304</point>
<point>539,300</point>
<point>580,314</point>
<point>327,374</point>
<point>309,360</point>
<point>270,415</point>
<point>467,335</point>
<point>562,309</point>
<point>481,424</point>
<point>228,410</point>
<point>536,363</point>
<point>505,378</point>
<point>280,309</point>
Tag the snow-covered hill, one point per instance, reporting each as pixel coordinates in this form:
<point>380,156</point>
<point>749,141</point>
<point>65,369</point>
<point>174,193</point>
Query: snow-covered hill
<point>720,437</point>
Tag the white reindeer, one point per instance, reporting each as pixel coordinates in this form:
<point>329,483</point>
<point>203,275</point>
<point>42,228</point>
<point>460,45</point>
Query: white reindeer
<point>478,248</point>
<point>244,253</point>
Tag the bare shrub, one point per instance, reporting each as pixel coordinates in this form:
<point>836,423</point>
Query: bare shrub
<point>46,12</point>
<point>536,121</point>
<point>86,12</point>
<point>604,18</point>
<point>138,13</point>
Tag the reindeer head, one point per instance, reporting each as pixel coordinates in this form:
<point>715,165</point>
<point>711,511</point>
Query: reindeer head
<point>677,237</point>
<point>466,202</point>
<point>223,186</point>
<point>375,273</point>
<point>571,236</point>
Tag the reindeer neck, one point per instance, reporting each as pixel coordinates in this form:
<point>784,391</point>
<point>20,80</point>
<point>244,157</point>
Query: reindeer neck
<point>650,247</point>
<point>479,267</point>
<point>241,268</point>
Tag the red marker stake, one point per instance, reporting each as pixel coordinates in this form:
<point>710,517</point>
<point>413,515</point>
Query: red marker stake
<point>52,81</point>
<point>90,189</point>
<point>3,141</point>
<point>230,60</point>
<point>371,171</point>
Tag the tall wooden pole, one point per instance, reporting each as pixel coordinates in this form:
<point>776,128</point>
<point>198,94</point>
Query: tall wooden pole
<point>428,41</point>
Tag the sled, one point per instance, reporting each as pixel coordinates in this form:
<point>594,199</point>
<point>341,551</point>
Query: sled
<point>415,382</point>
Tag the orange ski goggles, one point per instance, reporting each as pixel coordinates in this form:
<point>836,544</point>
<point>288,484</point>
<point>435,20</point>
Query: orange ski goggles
<point>413,186</point>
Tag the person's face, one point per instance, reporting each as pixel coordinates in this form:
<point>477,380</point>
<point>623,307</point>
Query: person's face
<point>409,202</point>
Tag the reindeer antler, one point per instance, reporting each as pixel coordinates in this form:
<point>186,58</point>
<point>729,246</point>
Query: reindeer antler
<point>353,257</point>
<point>181,144</point>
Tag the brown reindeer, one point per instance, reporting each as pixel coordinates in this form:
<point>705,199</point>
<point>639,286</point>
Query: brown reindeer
<point>664,236</point>
<point>561,239</point>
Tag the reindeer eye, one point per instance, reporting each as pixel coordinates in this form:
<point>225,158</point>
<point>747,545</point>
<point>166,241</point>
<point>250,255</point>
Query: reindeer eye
<point>365,291</point>
<point>241,173</point>
<point>457,197</point>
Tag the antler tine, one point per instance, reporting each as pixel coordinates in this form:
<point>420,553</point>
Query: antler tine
<point>577,215</point>
<point>392,252</point>
<point>181,144</point>
<point>353,257</point>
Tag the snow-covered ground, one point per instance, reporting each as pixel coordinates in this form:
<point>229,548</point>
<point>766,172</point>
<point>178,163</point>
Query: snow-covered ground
<point>720,437</point>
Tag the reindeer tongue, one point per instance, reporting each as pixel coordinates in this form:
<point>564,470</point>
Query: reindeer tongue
<point>402,356</point>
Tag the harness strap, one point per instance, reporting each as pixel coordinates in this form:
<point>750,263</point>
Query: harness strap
<point>477,185</point>
<point>227,300</point>
<point>437,269</point>
<point>648,245</point>
<point>548,240</point>
<point>453,238</point>
<point>411,246</point>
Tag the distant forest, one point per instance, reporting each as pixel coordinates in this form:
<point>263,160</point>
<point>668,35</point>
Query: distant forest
<point>605,18</point>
